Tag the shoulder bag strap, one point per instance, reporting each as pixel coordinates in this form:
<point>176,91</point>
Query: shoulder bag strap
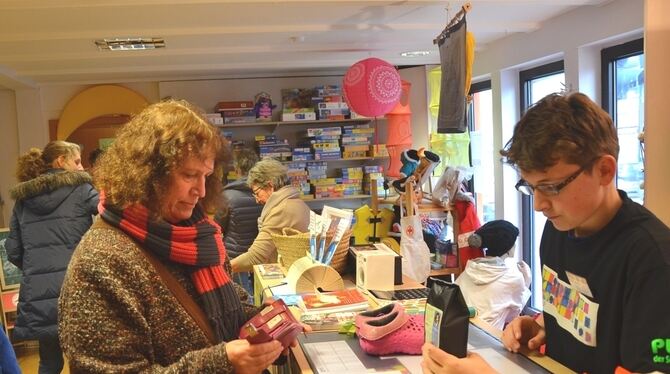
<point>182,296</point>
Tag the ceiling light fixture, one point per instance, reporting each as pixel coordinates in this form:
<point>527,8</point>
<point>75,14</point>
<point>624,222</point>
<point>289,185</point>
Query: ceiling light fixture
<point>129,44</point>
<point>415,53</point>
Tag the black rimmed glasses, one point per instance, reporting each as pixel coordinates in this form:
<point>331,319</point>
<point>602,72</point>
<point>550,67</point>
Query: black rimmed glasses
<point>546,189</point>
<point>255,191</point>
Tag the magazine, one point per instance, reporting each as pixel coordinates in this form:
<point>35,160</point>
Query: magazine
<point>347,300</point>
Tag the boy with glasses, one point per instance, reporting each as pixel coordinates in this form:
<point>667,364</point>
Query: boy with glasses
<point>605,259</point>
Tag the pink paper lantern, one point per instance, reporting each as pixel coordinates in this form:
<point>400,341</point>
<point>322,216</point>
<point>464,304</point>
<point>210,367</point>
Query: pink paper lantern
<point>372,87</point>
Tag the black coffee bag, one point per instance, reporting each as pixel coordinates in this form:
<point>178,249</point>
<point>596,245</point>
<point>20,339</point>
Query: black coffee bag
<point>447,318</point>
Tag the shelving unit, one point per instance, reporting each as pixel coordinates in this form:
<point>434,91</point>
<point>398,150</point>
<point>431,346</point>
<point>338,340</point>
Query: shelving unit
<point>295,130</point>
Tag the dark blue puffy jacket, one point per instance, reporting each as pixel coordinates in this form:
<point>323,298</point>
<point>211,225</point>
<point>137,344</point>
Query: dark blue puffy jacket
<point>240,225</point>
<point>51,214</point>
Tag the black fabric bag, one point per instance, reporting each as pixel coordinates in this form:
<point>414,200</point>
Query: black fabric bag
<point>447,318</point>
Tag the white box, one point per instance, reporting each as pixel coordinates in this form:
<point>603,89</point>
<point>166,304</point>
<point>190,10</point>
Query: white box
<point>375,269</point>
<point>298,116</point>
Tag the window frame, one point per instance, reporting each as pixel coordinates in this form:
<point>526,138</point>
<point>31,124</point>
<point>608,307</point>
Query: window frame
<point>474,88</point>
<point>527,217</point>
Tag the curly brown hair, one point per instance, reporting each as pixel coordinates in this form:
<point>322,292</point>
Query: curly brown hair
<point>567,127</point>
<point>137,166</point>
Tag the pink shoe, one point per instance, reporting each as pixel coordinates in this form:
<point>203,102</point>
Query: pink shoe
<point>378,313</point>
<point>392,334</point>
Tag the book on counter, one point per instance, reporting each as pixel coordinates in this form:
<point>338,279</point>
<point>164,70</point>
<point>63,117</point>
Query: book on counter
<point>270,271</point>
<point>327,321</point>
<point>347,300</point>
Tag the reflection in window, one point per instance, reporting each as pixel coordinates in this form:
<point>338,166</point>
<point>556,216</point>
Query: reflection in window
<point>481,149</point>
<point>623,93</point>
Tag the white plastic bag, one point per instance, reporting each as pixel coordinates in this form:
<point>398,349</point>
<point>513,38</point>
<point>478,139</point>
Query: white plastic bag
<point>413,249</point>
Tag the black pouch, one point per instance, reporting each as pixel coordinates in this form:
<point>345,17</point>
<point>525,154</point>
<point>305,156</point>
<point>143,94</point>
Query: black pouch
<point>447,318</point>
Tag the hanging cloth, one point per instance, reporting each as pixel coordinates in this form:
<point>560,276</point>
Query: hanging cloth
<point>451,116</point>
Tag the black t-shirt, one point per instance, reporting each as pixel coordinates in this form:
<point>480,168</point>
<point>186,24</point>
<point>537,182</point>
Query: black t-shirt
<point>607,296</point>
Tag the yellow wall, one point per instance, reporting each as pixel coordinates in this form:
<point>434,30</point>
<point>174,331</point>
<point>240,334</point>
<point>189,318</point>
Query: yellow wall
<point>95,102</point>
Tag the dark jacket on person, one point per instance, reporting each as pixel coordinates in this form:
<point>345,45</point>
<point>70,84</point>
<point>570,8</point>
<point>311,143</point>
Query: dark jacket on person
<point>240,224</point>
<point>51,214</point>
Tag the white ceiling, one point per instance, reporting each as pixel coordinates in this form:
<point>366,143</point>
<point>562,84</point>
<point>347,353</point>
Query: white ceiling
<point>51,41</point>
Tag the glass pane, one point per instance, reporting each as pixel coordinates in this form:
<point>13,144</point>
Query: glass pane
<point>540,88</point>
<point>481,141</point>
<point>629,88</point>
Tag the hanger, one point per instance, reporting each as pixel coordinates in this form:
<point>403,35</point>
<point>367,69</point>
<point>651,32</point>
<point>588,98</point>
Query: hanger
<point>457,17</point>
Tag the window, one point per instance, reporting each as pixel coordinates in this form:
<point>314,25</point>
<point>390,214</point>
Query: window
<point>623,97</point>
<point>536,83</point>
<point>481,149</point>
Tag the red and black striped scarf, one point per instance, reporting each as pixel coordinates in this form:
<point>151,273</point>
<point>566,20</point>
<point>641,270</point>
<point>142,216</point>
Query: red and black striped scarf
<point>196,243</point>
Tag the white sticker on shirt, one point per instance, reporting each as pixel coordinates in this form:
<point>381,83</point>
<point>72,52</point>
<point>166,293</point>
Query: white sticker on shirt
<point>573,311</point>
<point>579,283</point>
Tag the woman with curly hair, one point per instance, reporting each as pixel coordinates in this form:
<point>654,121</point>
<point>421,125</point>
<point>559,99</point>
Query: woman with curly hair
<point>119,312</point>
<point>55,201</point>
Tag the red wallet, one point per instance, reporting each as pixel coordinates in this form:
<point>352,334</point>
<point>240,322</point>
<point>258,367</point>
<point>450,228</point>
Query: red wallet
<point>275,321</point>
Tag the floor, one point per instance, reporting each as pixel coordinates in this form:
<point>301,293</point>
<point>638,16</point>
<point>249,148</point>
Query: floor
<point>29,358</point>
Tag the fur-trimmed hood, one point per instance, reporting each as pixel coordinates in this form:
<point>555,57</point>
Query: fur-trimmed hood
<point>45,192</point>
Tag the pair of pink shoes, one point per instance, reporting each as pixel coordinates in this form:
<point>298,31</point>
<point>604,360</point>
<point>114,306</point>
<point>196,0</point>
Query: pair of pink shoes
<point>389,330</point>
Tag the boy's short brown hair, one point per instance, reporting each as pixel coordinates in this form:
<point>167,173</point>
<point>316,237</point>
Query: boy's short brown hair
<point>567,127</point>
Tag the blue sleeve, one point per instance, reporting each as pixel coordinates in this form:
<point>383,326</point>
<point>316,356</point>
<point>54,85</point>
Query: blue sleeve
<point>91,199</point>
<point>8,361</point>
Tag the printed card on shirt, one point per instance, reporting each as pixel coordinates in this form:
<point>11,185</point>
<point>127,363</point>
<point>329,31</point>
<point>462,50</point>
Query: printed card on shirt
<point>573,311</point>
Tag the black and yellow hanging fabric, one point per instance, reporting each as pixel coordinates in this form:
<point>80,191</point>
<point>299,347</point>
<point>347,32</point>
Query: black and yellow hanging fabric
<point>455,83</point>
<point>452,145</point>
<point>372,224</point>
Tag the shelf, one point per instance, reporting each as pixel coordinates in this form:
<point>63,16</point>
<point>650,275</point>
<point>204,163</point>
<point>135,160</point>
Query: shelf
<point>346,197</point>
<point>338,160</point>
<point>444,271</point>
<point>297,123</point>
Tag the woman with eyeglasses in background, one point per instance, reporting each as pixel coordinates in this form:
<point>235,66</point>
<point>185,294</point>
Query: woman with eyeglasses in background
<point>269,183</point>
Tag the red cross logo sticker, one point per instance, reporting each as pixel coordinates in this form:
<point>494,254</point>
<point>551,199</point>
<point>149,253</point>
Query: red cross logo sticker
<point>409,230</point>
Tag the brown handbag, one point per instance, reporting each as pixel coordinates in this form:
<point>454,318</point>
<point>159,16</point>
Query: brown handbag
<point>182,296</point>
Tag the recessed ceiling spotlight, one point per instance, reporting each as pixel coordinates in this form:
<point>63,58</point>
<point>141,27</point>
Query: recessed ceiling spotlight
<point>415,53</point>
<point>129,44</point>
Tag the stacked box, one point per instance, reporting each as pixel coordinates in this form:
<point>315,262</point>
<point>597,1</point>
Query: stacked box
<point>325,131</point>
<point>214,118</point>
<point>329,102</point>
<point>297,104</point>
<point>375,172</point>
<point>271,146</point>
<point>297,174</point>
<point>356,140</point>
<point>352,180</point>
<point>379,150</point>
<point>238,116</point>
<point>302,154</point>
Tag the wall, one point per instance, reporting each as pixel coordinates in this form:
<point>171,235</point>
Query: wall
<point>576,37</point>
<point>9,146</point>
<point>657,110</point>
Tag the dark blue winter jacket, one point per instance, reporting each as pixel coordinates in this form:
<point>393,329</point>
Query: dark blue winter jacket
<point>51,214</point>
<point>240,225</point>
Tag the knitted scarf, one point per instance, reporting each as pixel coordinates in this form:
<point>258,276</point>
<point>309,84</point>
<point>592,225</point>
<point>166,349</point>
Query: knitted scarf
<point>197,244</point>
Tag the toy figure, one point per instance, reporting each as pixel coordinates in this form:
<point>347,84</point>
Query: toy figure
<point>263,106</point>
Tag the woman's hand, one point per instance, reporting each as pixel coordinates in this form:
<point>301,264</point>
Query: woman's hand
<point>252,358</point>
<point>437,361</point>
<point>523,330</point>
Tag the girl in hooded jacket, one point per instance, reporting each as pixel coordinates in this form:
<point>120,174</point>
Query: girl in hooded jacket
<point>55,204</point>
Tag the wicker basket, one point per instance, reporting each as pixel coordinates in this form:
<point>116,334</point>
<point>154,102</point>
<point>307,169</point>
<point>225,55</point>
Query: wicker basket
<point>293,244</point>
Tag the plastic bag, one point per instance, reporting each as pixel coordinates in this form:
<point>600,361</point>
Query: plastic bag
<point>414,251</point>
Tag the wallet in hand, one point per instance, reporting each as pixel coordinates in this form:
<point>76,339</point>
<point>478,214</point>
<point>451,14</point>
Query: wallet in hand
<point>275,321</point>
